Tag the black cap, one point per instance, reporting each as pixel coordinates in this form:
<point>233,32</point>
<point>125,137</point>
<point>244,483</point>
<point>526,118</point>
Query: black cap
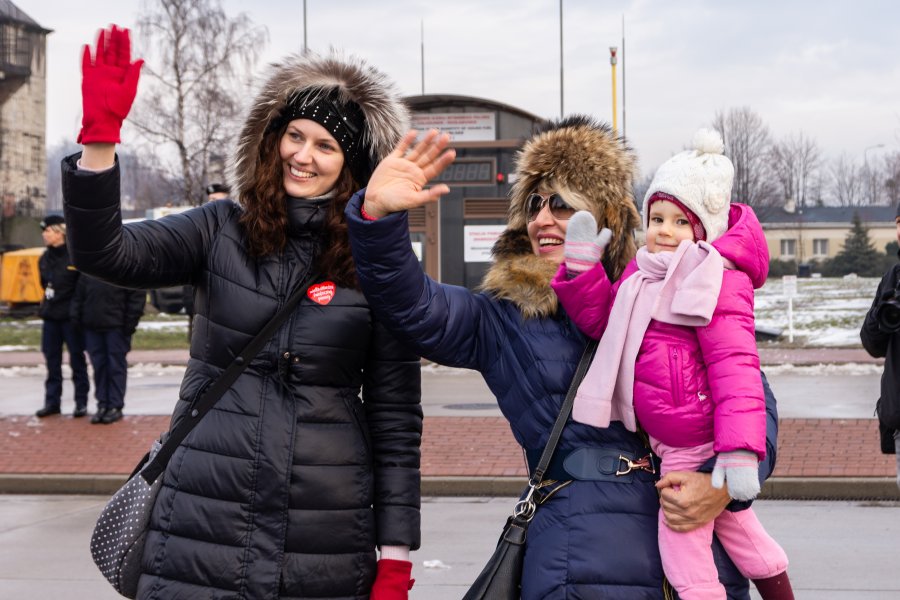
<point>52,220</point>
<point>215,188</point>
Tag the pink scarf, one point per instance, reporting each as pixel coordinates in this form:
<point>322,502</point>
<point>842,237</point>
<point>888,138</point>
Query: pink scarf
<point>681,288</point>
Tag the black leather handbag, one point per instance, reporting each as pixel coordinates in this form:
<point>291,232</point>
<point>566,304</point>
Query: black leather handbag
<point>501,578</point>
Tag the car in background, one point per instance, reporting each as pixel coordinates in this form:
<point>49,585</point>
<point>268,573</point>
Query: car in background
<point>171,300</point>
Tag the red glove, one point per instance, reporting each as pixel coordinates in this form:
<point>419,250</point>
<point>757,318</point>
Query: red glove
<point>393,580</point>
<point>108,86</point>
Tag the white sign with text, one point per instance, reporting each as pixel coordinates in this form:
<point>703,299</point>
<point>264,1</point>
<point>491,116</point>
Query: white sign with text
<point>478,241</point>
<point>462,127</point>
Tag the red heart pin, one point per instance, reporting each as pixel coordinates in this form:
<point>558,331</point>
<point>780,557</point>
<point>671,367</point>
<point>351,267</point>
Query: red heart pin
<point>321,293</point>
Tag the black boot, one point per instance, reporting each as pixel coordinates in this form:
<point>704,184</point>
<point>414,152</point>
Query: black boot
<point>98,416</point>
<point>80,411</point>
<point>47,411</point>
<point>111,415</point>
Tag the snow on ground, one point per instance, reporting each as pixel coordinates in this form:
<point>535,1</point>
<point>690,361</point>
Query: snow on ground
<point>827,311</point>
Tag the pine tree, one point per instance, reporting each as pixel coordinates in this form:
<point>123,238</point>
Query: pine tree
<point>858,254</point>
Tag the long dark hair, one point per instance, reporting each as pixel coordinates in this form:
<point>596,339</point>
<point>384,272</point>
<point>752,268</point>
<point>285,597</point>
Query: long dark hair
<point>265,214</point>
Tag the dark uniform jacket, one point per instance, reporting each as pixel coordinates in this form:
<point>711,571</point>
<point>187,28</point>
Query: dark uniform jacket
<point>311,459</point>
<point>57,274</point>
<point>102,307</point>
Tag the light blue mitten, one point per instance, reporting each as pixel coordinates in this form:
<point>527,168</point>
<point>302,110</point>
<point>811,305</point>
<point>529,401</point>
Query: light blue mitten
<point>584,246</point>
<point>740,470</point>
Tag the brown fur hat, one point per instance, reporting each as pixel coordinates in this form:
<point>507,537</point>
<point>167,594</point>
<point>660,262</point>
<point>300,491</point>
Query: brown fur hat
<point>353,80</point>
<point>592,169</point>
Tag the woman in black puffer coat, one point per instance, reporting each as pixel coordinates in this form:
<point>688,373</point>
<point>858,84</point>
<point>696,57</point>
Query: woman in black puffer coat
<point>311,460</point>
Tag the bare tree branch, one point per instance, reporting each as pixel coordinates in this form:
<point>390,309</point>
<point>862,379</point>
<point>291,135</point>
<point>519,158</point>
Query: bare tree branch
<point>197,58</point>
<point>747,144</point>
<point>846,182</point>
<point>795,162</point>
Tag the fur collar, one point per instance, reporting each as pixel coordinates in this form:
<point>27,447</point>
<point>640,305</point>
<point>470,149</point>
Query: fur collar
<point>521,277</point>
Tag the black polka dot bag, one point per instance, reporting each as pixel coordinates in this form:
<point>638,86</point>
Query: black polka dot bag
<point>117,544</point>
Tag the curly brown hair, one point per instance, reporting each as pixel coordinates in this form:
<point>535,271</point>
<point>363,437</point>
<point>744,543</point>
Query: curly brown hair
<point>265,215</point>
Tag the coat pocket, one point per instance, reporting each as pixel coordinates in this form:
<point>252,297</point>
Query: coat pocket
<point>676,375</point>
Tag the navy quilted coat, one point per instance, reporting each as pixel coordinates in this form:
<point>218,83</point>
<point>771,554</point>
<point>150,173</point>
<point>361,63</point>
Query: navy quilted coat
<point>286,487</point>
<point>590,539</point>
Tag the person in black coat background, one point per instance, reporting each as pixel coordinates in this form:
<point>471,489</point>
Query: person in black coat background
<point>880,336</point>
<point>59,278</point>
<point>108,315</point>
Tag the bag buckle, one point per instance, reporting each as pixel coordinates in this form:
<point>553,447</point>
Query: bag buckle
<point>526,507</point>
<point>641,464</point>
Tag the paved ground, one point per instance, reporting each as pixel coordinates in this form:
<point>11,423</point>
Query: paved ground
<point>837,550</point>
<point>461,455</point>
<point>768,356</point>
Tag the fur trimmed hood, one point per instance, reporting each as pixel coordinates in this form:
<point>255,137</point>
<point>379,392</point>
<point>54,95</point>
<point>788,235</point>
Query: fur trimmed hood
<point>386,116</point>
<point>577,156</point>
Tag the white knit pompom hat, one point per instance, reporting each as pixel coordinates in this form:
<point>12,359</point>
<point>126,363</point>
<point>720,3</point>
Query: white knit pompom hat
<point>700,179</point>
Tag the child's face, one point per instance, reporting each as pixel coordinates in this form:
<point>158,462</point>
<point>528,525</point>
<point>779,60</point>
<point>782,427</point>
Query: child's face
<point>667,227</point>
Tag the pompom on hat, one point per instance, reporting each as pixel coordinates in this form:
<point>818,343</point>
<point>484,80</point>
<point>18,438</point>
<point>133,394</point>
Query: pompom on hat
<point>700,179</point>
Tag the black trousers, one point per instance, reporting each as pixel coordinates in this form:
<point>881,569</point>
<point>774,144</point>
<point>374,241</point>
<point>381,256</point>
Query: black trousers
<point>54,334</point>
<point>108,350</point>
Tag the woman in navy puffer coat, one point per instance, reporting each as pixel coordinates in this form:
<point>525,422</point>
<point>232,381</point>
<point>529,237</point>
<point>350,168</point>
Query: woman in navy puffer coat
<point>590,538</point>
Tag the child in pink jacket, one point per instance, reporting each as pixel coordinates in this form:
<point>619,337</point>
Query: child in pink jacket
<point>678,354</point>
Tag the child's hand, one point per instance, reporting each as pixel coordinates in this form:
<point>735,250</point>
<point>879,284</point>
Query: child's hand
<point>584,246</point>
<point>740,469</point>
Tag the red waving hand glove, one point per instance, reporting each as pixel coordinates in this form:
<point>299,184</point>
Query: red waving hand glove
<point>108,86</point>
<point>393,580</point>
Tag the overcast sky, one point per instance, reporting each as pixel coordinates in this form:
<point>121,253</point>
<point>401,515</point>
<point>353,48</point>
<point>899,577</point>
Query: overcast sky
<point>828,68</point>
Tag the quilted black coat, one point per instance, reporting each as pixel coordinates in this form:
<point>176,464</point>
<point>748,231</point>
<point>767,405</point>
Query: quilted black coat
<point>312,458</point>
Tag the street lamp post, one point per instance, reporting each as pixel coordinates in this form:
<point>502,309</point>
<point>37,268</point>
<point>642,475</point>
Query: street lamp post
<point>612,61</point>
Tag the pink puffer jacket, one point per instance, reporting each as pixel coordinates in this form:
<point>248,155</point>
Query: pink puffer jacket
<point>694,385</point>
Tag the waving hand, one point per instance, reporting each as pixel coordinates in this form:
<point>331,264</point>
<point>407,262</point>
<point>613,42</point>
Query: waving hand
<point>108,86</point>
<point>398,182</point>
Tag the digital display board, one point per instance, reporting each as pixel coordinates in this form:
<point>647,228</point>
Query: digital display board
<point>470,171</point>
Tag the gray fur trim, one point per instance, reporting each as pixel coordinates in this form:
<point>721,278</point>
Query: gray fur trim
<point>387,117</point>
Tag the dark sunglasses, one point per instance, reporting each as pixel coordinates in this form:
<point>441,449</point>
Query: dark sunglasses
<point>558,207</point>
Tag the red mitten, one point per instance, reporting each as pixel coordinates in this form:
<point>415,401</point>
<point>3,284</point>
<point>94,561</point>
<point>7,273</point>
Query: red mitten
<point>108,86</point>
<point>393,580</point>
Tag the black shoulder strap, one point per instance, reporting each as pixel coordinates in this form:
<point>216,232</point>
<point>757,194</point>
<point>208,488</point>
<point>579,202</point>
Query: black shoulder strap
<point>564,412</point>
<point>215,391</point>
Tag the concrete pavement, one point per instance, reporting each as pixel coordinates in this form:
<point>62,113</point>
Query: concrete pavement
<point>837,550</point>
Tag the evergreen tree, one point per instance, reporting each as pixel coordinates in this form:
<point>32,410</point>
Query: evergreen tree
<point>858,254</point>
